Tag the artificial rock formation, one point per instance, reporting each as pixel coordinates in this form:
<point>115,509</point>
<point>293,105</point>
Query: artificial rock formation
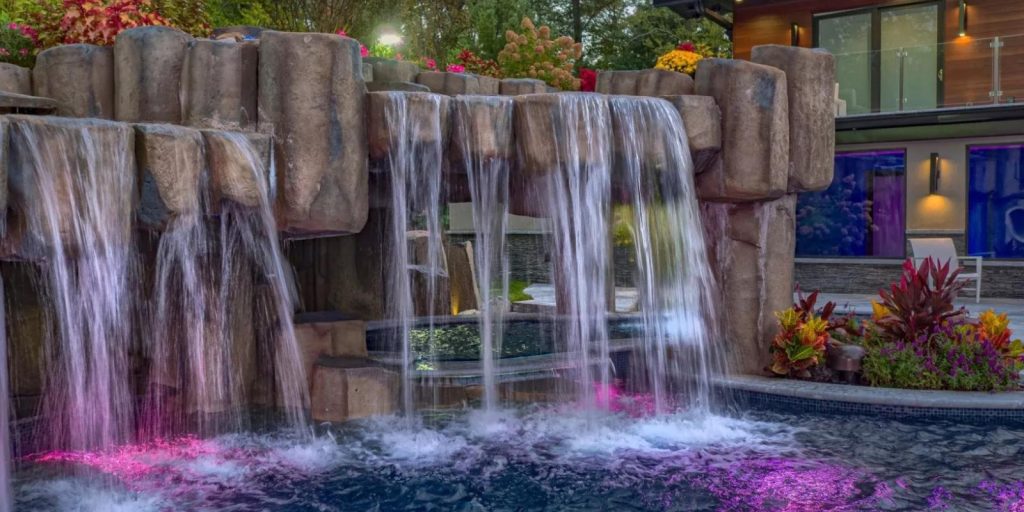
<point>451,84</point>
<point>755,131</point>
<point>148,66</point>
<point>751,246</point>
<point>396,86</point>
<point>349,389</point>
<point>15,79</point>
<point>649,82</point>
<point>389,70</point>
<point>703,122</point>
<point>810,78</point>
<point>517,86</point>
<point>421,111</point>
<point>79,77</point>
<point>170,162</point>
<point>234,171</point>
<point>221,91</point>
<point>312,100</point>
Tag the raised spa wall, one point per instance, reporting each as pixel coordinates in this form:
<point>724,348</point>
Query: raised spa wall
<point>760,131</point>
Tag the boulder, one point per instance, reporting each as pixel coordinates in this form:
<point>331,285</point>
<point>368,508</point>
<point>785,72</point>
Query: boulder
<point>810,82</point>
<point>752,249</point>
<point>11,103</point>
<point>517,86</point>
<point>396,86</point>
<point>452,84</point>
<point>703,122</point>
<point>648,82</point>
<point>481,130</point>
<point>148,67</point>
<point>367,72</point>
<point>544,125</point>
<point>489,85</point>
<point>465,295</point>
<point>239,165</point>
<point>328,334</point>
<point>428,298</point>
<point>15,79</point>
<point>353,389</point>
<point>4,159</point>
<point>755,131</point>
<point>220,89</point>
<point>79,77</point>
<point>312,100</point>
<point>389,70</point>
<point>425,113</point>
<point>170,167</point>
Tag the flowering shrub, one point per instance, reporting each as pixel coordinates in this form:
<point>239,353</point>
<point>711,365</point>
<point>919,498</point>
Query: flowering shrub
<point>18,44</point>
<point>683,59</point>
<point>533,54</point>
<point>363,50</point>
<point>95,21</point>
<point>456,68</point>
<point>588,80</point>
<point>473,63</point>
<point>954,355</point>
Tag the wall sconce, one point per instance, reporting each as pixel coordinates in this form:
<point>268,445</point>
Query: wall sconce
<point>794,34</point>
<point>934,173</point>
<point>963,18</point>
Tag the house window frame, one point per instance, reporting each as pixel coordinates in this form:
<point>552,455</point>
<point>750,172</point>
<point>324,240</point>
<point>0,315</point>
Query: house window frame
<point>967,193</point>
<point>903,247</point>
<point>876,44</point>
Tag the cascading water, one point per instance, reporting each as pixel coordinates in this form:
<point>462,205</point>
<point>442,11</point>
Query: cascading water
<point>76,182</point>
<point>413,171</point>
<point>6,501</point>
<point>488,185</point>
<point>577,199</point>
<point>208,345</point>
<point>673,278</point>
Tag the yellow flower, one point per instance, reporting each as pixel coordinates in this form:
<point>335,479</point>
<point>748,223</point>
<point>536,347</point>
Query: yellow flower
<point>679,61</point>
<point>878,311</point>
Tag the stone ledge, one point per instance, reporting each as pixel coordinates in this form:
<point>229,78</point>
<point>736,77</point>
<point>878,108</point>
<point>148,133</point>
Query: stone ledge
<point>910,398</point>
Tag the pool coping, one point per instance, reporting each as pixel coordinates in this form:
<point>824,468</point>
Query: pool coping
<point>866,395</point>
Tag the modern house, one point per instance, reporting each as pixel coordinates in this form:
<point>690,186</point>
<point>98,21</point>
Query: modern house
<point>929,133</point>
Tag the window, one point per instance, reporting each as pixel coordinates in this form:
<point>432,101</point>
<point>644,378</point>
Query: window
<point>995,201</point>
<point>862,213</point>
<point>873,46</point>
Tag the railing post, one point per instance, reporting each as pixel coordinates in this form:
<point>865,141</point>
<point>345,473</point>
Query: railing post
<point>997,91</point>
<point>901,55</point>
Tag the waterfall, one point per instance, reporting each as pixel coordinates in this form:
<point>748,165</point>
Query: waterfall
<point>673,278</point>
<point>6,498</point>
<point>76,182</point>
<point>576,196</point>
<point>211,340</point>
<point>412,168</point>
<point>488,186</point>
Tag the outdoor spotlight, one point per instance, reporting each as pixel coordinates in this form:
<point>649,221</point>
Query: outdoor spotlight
<point>934,173</point>
<point>963,18</point>
<point>794,34</point>
<point>390,39</point>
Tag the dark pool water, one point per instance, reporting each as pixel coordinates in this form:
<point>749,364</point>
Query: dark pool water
<point>556,459</point>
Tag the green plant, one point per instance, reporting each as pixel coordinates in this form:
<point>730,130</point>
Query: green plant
<point>800,343</point>
<point>921,301</point>
<point>479,66</point>
<point>188,15</point>
<point>954,355</point>
<point>517,291</point>
<point>18,44</point>
<point>533,54</point>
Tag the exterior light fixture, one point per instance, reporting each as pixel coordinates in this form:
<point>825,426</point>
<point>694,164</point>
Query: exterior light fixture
<point>963,19</point>
<point>390,39</point>
<point>794,34</point>
<point>934,173</point>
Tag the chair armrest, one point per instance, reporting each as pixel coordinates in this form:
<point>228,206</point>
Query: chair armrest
<point>976,259</point>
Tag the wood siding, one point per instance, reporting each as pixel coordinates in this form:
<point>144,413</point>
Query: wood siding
<point>967,60</point>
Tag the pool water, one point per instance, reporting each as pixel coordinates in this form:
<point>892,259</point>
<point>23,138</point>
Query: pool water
<point>554,459</point>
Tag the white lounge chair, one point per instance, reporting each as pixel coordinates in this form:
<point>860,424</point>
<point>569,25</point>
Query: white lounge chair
<point>941,251</point>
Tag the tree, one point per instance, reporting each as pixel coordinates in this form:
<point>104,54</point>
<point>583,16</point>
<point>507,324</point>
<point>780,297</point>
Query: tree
<point>433,28</point>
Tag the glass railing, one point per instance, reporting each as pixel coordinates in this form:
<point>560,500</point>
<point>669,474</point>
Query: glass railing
<point>962,73</point>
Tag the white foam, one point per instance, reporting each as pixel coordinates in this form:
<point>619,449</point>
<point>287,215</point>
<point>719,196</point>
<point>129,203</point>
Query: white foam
<point>73,495</point>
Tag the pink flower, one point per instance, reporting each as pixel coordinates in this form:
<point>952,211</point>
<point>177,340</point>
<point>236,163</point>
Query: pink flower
<point>456,68</point>
<point>431,64</point>
<point>23,52</point>
<point>4,52</point>
<point>341,32</point>
<point>364,51</point>
<point>13,26</point>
